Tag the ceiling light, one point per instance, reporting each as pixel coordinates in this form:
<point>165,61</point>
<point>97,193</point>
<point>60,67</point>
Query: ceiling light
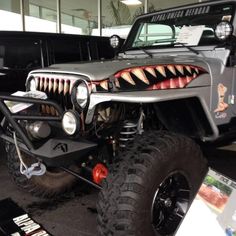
<point>131,2</point>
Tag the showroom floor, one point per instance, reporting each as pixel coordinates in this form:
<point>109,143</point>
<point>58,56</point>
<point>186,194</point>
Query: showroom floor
<point>74,213</point>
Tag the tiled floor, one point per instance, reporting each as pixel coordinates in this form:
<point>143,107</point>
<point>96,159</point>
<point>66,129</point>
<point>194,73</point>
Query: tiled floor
<point>74,213</point>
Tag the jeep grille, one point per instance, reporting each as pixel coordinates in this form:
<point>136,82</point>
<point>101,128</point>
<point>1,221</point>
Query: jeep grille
<point>57,89</point>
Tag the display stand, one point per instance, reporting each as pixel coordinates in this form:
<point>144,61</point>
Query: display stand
<point>213,211</point>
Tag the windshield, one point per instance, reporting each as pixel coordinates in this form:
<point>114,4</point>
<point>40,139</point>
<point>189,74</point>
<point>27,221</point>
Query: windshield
<point>194,26</point>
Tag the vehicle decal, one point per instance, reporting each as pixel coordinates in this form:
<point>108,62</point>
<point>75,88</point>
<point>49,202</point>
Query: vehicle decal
<point>181,13</point>
<point>155,77</point>
<point>61,147</point>
<point>222,105</point>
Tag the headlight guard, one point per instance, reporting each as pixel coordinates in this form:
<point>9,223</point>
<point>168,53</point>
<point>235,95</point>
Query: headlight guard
<point>31,84</point>
<point>80,95</point>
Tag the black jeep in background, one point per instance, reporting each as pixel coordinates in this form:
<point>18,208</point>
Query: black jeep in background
<point>21,52</point>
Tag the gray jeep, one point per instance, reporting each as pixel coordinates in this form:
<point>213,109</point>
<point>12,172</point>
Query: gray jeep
<point>131,126</point>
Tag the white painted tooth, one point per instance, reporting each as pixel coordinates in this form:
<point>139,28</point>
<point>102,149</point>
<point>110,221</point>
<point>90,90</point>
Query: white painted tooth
<point>172,83</point>
<point>197,71</point>
<point>66,87</point>
<point>55,85</point>
<point>194,75</point>
<point>104,84</point>
<point>171,69</point>
<point>163,85</point>
<point>161,69</point>
<point>180,69</point>
<point>50,85</point>
<point>127,77</point>
<point>154,87</point>
<point>47,109</point>
<point>189,79</point>
<point>188,69</point>
<point>117,83</point>
<point>93,87</point>
<point>181,82</point>
<point>71,86</point>
<point>60,87</point>
<point>43,109</point>
<point>45,84</point>
<point>41,84</point>
<point>37,79</point>
<point>52,110</point>
<point>151,71</point>
<point>139,73</point>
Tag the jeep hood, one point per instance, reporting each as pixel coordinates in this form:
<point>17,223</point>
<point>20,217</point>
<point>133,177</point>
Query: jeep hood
<point>134,74</point>
<point>101,70</point>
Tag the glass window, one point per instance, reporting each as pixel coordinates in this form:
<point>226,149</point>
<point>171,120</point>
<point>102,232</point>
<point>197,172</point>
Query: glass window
<point>66,19</point>
<point>69,50</point>
<point>34,10</point>
<point>154,5</point>
<point>117,18</point>
<point>21,53</point>
<point>41,16</point>
<point>83,16</point>
<point>162,29</point>
<point>49,14</point>
<point>153,33</point>
<point>10,15</point>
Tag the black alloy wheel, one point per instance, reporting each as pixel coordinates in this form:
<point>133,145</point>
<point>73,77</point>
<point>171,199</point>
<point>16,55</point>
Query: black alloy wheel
<point>170,203</point>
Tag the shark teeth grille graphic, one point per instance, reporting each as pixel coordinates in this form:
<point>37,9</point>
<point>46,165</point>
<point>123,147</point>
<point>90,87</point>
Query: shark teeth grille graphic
<point>171,69</point>
<point>154,77</point>
<point>161,70</point>
<point>139,73</point>
<point>180,69</point>
<point>127,77</point>
<point>151,71</point>
<point>57,89</point>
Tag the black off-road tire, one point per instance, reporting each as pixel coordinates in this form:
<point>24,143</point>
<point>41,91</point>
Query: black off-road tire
<point>130,194</point>
<point>49,185</point>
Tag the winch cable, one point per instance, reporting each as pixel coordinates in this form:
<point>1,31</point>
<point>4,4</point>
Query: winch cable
<point>81,178</point>
<point>37,169</point>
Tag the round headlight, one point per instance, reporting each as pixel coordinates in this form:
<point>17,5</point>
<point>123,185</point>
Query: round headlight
<point>224,30</point>
<point>70,122</point>
<point>80,94</point>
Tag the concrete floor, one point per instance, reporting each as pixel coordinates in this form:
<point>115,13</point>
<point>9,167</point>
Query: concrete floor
<point>74,213</point>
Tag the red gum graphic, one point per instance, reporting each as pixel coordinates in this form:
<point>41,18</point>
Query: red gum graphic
<point>171,84</point>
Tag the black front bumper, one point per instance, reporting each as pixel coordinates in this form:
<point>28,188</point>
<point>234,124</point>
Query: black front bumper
<point>54,151</point>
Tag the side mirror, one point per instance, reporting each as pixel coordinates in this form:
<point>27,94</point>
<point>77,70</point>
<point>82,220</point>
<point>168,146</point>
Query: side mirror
<point>224,30</point>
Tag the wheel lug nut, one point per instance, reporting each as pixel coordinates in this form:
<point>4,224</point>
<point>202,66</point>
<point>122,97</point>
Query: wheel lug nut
<point>168,202</point>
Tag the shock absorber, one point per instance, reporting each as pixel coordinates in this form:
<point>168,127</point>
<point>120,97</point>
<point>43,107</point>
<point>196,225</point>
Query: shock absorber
<point>127,133</point>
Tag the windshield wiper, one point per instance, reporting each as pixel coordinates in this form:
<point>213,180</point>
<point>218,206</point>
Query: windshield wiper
<point>146,52</point>
<point>188,47</point>
<point>140,48</point>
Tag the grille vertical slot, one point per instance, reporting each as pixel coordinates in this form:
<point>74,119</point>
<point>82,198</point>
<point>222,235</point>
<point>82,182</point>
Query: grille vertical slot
<point>57,89</point>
